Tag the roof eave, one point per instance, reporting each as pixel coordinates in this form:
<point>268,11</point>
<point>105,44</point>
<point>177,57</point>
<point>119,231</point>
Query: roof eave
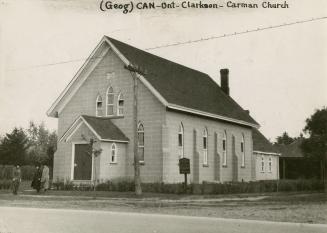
<point>211,115</point>
<point>266,153</point>
<point>54,109</point>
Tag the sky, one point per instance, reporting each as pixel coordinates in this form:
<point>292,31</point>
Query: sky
<point>278,74</point>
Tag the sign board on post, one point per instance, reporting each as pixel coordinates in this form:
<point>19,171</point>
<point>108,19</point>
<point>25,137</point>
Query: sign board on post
<point>184,166</point>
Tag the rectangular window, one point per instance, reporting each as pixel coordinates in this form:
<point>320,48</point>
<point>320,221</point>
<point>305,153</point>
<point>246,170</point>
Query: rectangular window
<point>180,145</point>
<point>141,153</point>
<point>121,107</point>
<point>98,107</point>
<point>113,155</point>
<point>262,164</point>
<point>140,135</point>
<point>110,99</point>
<point>224,153</point>
<point>110,104</point>
<point>180,140</point>
<point>242,154</point>
<point>270,165</point>
<point>141,138</point>
<point>205,151</point>
<point>99,112</point>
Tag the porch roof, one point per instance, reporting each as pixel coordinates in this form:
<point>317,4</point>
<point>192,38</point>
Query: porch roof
<point>103,128</point>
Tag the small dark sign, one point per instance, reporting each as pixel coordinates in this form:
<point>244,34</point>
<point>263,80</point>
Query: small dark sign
<point>184,166</point>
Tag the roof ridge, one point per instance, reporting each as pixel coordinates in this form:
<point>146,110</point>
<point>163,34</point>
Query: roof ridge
<point>157,56</point>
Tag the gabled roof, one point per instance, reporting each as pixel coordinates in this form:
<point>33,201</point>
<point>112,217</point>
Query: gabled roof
<point>101,127</point>
<point>176,86</point>
<point>261,143</point>
<point>292,150</point>
<point>105,128</point>
<point>183,86</point>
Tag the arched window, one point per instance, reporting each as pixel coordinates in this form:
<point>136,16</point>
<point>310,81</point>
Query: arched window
<point>242,152</point>
<point>113,153</point>
<point>110,101</point>
<point>205,147</point>
<point>181,141</point>
<point>120,105</point>
<point>270,164</point>
<point>224,148</point>
<point>262,164</point>
<point>99,106</point>
<point>140,142</point>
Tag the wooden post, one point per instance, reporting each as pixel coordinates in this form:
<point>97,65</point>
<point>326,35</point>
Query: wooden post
<point>137,178</point>
<point>284,169</point>
<point>185,182</point>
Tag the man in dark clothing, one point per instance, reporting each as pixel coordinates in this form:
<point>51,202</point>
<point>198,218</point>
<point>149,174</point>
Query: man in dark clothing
<point>17,178</point>
<point>36,183</point>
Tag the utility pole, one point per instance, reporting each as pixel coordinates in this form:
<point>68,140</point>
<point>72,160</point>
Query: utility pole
<point>137,179</point>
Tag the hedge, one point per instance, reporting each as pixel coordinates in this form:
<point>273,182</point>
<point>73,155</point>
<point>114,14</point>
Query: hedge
<point>27,172</point>
<point>127,185</point>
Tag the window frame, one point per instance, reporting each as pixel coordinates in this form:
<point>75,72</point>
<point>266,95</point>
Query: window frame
<point>224,147</point>
<point>242,151</point>
<point>96,105</point>
<point>262,170</point>
<point>114,149</point>
<point>205,146</point>
<point>120,98</point>
<point>180,140</point>
<point>270,164</point>
<point>110,88</point>
<point>140,129</point>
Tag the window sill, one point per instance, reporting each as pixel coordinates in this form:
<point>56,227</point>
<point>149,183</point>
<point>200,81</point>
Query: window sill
<point>140,163</point>
<point>225,166</point>
<point>112,116</point>
<point>113,163</point>
<point>205,165</point>
<point>242,166</point>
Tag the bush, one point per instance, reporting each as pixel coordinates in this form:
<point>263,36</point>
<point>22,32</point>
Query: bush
<point>261,186</point>
<point>6,172</point>
<point>5,184</point>
<point>62,185</point>
<point>117,184</point>
<point>27,172</point>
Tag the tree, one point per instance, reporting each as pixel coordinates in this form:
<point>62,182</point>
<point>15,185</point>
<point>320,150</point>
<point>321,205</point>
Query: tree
<point>285,139</point>
<point>43,144</point>
<point>51,147</point>
<point>13,147</point>
<point>315,146</point>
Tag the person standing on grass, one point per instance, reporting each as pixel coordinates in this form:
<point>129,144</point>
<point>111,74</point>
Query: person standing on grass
<point>16,179</point>
<point>45,178</point>
<point>36,183</point>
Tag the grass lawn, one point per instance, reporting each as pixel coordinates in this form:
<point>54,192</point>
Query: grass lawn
<point>285,207</point>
